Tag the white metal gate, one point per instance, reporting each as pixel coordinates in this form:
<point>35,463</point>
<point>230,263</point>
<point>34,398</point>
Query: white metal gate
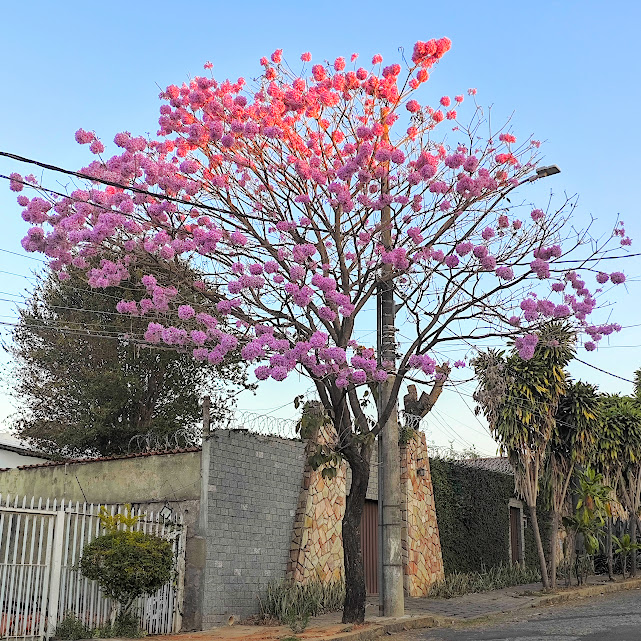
<point>40,547</point>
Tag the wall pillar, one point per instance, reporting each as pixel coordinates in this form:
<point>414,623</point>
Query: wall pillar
<point>317,544</point>
<point>422,558</point>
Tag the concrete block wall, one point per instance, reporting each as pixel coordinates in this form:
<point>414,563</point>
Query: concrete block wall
<point>254,484</point>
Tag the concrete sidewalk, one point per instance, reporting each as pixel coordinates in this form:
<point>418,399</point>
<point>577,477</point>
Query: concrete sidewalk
<point>419,613</point>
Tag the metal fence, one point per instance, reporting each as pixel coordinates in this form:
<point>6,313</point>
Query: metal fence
<point>41,542</point>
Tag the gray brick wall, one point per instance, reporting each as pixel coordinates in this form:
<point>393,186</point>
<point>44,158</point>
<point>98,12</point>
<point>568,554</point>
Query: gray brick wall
<point>254,482</point>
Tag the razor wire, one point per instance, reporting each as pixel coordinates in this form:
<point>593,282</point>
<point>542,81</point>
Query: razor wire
<point>255,423</point>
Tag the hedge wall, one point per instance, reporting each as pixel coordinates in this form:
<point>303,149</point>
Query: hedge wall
<point>474,517</point>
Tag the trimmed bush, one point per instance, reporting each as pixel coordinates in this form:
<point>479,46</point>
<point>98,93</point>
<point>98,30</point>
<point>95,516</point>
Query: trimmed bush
<point>127,564</point>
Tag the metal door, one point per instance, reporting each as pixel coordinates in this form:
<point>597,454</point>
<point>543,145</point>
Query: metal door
<point>369,545</point>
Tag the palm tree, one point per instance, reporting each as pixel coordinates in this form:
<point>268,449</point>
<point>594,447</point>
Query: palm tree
<point>519,398</point>
<point>576,423</point>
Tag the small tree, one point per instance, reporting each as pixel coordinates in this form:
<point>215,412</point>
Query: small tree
<point>126,564</point>
<point>626,413</point>
<point>592,507</point>
<point>519,397</point>
<point>576,424</point>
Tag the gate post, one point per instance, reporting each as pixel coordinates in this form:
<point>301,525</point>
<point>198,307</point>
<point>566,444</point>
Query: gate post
<point>56,569</point>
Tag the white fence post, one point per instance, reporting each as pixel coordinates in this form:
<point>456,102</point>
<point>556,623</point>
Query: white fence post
<point>56,568</point>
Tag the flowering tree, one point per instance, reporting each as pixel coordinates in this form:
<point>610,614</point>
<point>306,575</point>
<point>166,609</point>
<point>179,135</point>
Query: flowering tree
<point>297,199</point>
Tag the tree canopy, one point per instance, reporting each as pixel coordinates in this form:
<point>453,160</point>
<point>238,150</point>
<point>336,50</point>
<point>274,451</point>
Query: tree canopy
<point>83,387</point>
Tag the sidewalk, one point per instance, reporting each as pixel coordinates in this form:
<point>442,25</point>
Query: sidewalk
<point>419,613</point>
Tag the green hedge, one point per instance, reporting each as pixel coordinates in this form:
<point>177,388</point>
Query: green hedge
<point>472,509</point>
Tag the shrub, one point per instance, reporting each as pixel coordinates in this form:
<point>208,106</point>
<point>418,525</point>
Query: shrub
<point>72,628</point>
<point>500,576</point>
<point>127,564</point>
<point>294,603</point>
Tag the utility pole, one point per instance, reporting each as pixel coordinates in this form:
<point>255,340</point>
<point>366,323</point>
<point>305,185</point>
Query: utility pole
<point>391,598</point>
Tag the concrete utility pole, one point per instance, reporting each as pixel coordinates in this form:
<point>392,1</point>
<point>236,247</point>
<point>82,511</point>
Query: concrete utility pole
<point>390,565</point>
<point>390,588</point>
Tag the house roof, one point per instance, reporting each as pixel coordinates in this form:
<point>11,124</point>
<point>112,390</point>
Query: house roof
<point>493,464</point>
<point>106,458</point>
<point>11,443</point>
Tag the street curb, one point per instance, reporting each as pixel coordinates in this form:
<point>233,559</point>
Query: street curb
<point>405,623</point>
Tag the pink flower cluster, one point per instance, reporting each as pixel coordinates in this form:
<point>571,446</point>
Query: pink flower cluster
<point>526,345</point>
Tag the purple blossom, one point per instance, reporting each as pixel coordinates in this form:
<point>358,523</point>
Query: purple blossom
<point>464,248</point>
<point>185,312</point>
<point>504,272</point>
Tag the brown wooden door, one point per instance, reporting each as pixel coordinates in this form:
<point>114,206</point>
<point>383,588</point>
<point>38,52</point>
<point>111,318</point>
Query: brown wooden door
<point>515,535</point>
<point>369,545</point>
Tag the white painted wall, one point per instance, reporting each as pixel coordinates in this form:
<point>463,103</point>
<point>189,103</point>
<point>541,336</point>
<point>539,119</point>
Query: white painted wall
<point>10,458</point>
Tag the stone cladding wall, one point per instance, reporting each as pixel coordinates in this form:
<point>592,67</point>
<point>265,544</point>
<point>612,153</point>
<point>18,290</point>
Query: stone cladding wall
<point>422,558</point>
<point>317,548</point>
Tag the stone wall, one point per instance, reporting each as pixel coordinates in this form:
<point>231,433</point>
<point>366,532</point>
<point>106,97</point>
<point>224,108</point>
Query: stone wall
<point>317,548</point>
<point>254,485</point>
<point>422,559</point>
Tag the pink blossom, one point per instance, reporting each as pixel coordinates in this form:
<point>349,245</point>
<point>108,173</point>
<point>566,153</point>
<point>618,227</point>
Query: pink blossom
<point>96,147</point>
<point>185,312</point>
<point>377,59</point>
<point>238,238</point>
<point>84,137</point>
<point>537,214</point>
<point>617,278</point>
<point>306,57</point>
<point>464,248</point>
<point>602,278</point>
<point>504,272</point>
<point>15,182</point>
<point>413,106</point>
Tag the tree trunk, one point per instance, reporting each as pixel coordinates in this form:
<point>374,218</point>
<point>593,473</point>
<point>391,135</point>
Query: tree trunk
<point>608,549</point>
<point>539,547</point>
<point>354,605</point>
<point>554,535</point>
<point>633,540</point>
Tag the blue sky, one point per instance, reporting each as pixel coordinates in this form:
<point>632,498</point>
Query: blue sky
<point>567,71</point>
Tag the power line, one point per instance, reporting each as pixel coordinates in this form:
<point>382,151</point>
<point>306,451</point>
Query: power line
<point>104,181</point>
<point>627,380</point>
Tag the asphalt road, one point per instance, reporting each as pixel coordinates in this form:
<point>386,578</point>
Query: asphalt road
<point>612,617</point>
